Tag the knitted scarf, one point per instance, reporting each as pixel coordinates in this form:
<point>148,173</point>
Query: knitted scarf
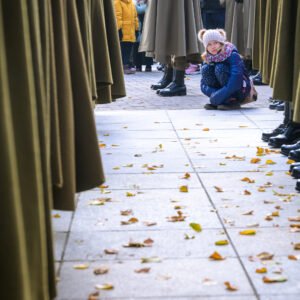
<point>222,55</point>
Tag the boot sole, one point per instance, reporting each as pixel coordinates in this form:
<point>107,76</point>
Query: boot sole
<point>172,94</point>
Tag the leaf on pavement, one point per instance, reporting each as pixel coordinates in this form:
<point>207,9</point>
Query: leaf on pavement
<point>197,227</point>
<point>230,287</point>
<point>247,179</point>
<point>143,270</point>
<point>255,160</point>
<point>129,194</point>
<point>188,237</point>
<point>221,243</point>
<point>248,213</point>
<point>130,221</point>
<point>153,259</point>
<point>294,219</point>
<point>101,270</point>
<point>126,212</point>
<point>274,279</point>
<point>265,256</point>
<point>179,218</point>
<point>247,193</point>
<point>216,256</point>
<point>94,296</point>
<point>218,189</point>
<point>261,270</point>
<point>186,176</point>
<point>146,223</point>
<point>270,162</point>
<point>184,189</point>
<point>248,232</point>
<point>81,266</point>
<point>104,286</point>
<point>111,251</point>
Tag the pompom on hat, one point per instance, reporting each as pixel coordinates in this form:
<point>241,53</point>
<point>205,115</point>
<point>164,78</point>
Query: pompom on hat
<point>208,35</point>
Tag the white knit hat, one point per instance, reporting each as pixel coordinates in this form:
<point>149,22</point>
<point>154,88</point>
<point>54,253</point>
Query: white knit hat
<point>205,36</point>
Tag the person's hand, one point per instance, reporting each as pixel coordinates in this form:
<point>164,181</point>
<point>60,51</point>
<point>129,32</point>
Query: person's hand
<point>120,34</point>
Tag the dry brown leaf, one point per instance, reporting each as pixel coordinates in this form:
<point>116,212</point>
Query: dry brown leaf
<point>146,223</point>
<point>297,246</point>
<point>101,270</point>
<point>218,189</point>
<point>94,296</point>
<point>126,212</point>
<point>102,145</point>
<point>248,213</point>
<point>111,251</point>
<point>205,129</point>
<point>295,225</point>
<point>56,216</point>
<point>179,207</point>
<point>247,193</point>
<point>274,279</point>
<point>186,176</point>
<point>294,257</point>
<point>294,219</point>
<point>179,218</point>
<point>261,189</point>
<point>269,218</point>
<point>216,256</point>
<point>247,179</point>
<point>265,256</point>
<point>230,287</point>
<point>153,259</point>
<point>143,270</point>
<point>130,221</point>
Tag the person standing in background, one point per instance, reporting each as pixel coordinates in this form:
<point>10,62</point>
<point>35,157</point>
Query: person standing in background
<point>128,26</point>
<point>139,58</point>
<point>213,13</point>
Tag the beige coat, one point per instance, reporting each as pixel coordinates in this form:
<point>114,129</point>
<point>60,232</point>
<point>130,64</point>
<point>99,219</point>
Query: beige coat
<point>170,28</point>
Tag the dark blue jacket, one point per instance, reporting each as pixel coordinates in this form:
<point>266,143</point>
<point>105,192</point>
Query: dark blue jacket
<point>235,82</point>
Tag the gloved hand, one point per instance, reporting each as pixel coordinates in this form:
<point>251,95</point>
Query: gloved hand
<point>120,34</point>
<point>137,34</point>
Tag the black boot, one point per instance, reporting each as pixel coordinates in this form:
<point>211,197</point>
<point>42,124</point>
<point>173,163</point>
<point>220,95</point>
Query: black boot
<point>296,172</point>
<point>257,79</point>
<point>298,185</point>
<point>278,130</point>
<point>294,165</point>
<point>176,87</point>
<point>295,155</point>
<point>166,79</point>
<point>285,149</point>
<point>290,136</point>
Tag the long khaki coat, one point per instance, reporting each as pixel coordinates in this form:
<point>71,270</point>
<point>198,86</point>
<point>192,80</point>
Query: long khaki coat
<point>170,28</point>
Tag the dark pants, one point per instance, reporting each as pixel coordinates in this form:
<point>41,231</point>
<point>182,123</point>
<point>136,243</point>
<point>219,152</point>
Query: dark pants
<point>217,76</point>
<point>213,19</point>
<point>139,58</point>
<point>126,50</point>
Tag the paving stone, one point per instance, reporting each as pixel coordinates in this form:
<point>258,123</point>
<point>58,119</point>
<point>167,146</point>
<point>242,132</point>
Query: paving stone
<point>60,243</point>
<point>182,278</point>
<point>61,220</point>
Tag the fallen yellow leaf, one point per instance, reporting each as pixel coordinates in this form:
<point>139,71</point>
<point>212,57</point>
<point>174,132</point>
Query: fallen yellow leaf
<point>104,286</point>
<point>205,129</point>
<point>270,162</point>
<point>197,227</point>
<point>216,256</point>
<point>290,161</point>
<point>261,270</point>
<point>255,160</point>
<point>81,266</point>
<point>94,296</point>
<point>186,176</point>
<point>129,194</point>
<point>248,232</point>
<point>270,173</point>
<point>153,259</point>
<point>221,243</point>
<point>229,287</point>
<point>247,179</point>
<point>130,221</point>
<point>184,189</point>
<point>56,216</point>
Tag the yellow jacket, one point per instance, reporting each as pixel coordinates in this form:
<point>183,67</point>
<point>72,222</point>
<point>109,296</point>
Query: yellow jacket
<point>127,19</point>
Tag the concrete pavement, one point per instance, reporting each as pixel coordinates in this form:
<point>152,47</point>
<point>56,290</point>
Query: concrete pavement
<point>180,181</point>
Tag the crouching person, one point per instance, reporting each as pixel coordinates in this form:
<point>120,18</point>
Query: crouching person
<point>224,76</point>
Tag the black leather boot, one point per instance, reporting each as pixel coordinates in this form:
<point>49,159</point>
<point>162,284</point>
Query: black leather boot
<point>176,87</point>
<point>278,130</point>
<point>290,136</point>
<point>296,172</point>
<point>285,149</point>
<point>295,155</point>
<point>294,165</point>
<point>257,79</point>
<point>298,185</point>
<point>165,80</point>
